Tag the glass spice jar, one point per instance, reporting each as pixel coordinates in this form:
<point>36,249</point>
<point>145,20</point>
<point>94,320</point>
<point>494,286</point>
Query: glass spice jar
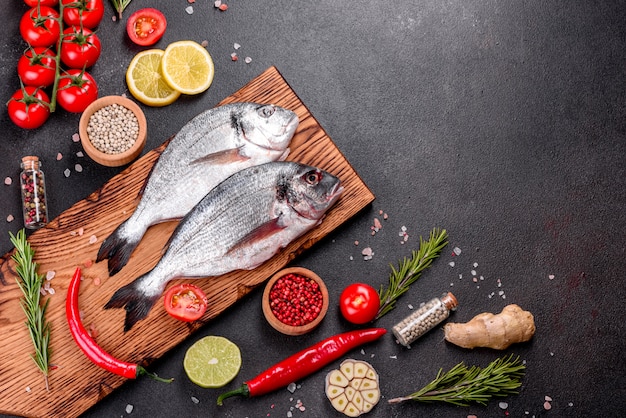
<point>33,187</point>
<point>424,319</point>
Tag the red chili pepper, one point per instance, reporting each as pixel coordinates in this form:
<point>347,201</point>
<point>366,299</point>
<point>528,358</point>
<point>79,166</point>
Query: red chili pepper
<point>89,346</point>
<point>304,363</point>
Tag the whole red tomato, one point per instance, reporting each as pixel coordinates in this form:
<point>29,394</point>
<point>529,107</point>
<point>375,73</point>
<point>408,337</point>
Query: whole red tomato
<point>49,3</point>
<point>29,107</point>
<point>359,303</point>
<point>89,12</point>
<point>40,26</point>
<point>37,67</point>
<point>76,90</point>
<point>80,47</point>
<point>146,26</point>
<point>185,302</point>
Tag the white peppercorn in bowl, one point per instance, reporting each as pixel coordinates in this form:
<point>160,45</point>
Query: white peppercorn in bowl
<point>113,131</point>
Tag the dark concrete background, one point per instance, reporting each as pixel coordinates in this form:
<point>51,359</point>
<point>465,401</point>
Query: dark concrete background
<point>502,122</point>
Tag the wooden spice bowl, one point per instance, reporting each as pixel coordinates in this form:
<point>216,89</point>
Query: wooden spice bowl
<point>122,158</point>
<point>286,328</point>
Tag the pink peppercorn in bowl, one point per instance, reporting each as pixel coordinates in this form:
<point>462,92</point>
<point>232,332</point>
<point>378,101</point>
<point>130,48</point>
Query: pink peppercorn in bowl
<point>295,301</point>
<point>113,131</point>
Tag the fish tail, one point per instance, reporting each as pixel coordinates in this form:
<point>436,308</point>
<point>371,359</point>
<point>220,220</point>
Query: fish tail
<point>136,302</point>
<point>117,248</point>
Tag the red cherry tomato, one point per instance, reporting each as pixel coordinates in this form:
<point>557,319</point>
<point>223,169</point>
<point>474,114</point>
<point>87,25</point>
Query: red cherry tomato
<point>76,90</point>
<point>28,107</point>
<point>146,26</point>
<point>49,3</point>
<point>185,302</point>
<point>80,48</point>
<point>89,12</point>
<point>37,66</point>
<point>359,303</point>
<point>40,26</point>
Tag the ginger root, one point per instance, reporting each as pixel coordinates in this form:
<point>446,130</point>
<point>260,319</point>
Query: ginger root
<point>512,325</point>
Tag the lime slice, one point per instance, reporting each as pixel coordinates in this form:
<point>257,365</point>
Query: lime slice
<point>187,67</point>
<point>212,362</point>
<point>145,81</point>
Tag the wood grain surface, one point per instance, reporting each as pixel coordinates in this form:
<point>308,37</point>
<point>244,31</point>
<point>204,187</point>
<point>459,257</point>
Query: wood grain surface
<point>73,239</point>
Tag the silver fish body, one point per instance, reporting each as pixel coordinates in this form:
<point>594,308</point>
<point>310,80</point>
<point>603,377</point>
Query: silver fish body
<point>240,224</point>
<point>209,148</point>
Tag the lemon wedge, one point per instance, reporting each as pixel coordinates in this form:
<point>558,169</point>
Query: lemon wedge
<point>145,82</point>
<point>212,362</point>
<point>187,67</point>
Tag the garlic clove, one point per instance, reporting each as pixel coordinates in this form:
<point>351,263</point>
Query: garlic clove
<point>361,368</point>
<point>356,383</point>
<point>371,396</point>
<point>340,402</point>
<point>350,393</point>
<point>347,368</point>
<point>338,379</point>
<point>351,410</point>
<point>333,391</point>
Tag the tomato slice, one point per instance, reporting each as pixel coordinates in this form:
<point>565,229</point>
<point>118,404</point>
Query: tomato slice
<point>146,26</point>
<point>185,302</point>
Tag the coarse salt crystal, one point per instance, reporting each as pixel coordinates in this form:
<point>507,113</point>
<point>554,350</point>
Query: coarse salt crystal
<point>78,168</point>
<point>189,10</point>
<point>59,156</point>
<point>551,277</point>
<point>10,218</point>
<point>473,272</point>
<point>195,400</point>
<point>67,172</point>
<point>233,56</point>
<point>204,43</point>
<point>291,387</point>
<point>76,138</point>
<point>456,251</point>
<point>451,263</point>
<point>97,281</point>
<point>50,274</point>
<point>503,405</point>
<point>236,45</point>
<point>217,3</point>
<point>547,406</point>
<point>8,181</point>
<point>93,239</point>
<point>80,154</point>
<point>377,224</point>
<point>547,398</point>
<point>129,408</point>
<point>248,60</point>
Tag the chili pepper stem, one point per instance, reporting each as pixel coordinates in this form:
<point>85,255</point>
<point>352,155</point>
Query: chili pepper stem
<point>240,391</point>
<point>141,371</point>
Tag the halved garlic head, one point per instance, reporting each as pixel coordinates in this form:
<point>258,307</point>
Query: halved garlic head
<point>353,389</point>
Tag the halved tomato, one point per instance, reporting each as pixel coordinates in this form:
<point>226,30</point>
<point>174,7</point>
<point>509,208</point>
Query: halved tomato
<point>146,26</point>
<point>185,302</point>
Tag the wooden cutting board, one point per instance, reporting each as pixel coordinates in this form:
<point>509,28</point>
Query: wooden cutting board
<point>68,241</point>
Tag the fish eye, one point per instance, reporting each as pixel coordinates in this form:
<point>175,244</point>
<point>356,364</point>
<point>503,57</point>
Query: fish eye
<point>313,177</point>
<point>266,111</point>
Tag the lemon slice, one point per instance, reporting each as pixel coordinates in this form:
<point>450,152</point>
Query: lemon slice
<point>212,362</point>
<point>145,81</point>
<point>187,67</point>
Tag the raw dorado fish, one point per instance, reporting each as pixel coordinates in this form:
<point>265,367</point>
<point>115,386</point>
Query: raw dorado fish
<point>238,225</point>
<point>208,149</point>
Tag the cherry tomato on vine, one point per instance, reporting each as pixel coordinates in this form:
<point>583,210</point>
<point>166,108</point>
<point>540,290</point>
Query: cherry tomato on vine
<point>29,107</point>
<point>76,90</point>
<point>359,303</point>
<point>37,67</point>
<point>146,26</point>
<point>89,12</point>
<point>40,26</point>
<point>185,302</point>
<point>49,3</point>
<point>80,47</point>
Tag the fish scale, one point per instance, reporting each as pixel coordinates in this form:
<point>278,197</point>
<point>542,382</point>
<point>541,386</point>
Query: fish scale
<point>212,146</point>
<point>238,225</point>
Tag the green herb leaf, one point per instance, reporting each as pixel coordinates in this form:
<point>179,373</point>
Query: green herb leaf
<point>409,270</point>
<point>462,386</point>
<point>29,282</point>
<point>119,6</point>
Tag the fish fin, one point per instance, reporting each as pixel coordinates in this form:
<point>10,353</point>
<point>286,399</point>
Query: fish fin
<point>117,249</point>
<point>259,233</point>
<point>134,301</point>
<point>222,157</point>
<point>284,155</point>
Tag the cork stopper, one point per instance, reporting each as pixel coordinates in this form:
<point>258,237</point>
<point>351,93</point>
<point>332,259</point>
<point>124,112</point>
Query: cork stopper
<point>449,300</point>
<point>31,162</point>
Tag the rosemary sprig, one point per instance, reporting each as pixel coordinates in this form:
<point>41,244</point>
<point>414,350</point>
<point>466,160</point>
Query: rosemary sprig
<point>410,270</point>
<point>29,281</point>
<point>119,6</point>
<point>461,385</point>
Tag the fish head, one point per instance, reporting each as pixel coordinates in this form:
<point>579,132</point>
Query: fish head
<point>268,126</point>
<point>312,191</point>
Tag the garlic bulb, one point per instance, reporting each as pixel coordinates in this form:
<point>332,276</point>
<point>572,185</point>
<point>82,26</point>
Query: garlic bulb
<point>353,389</point>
